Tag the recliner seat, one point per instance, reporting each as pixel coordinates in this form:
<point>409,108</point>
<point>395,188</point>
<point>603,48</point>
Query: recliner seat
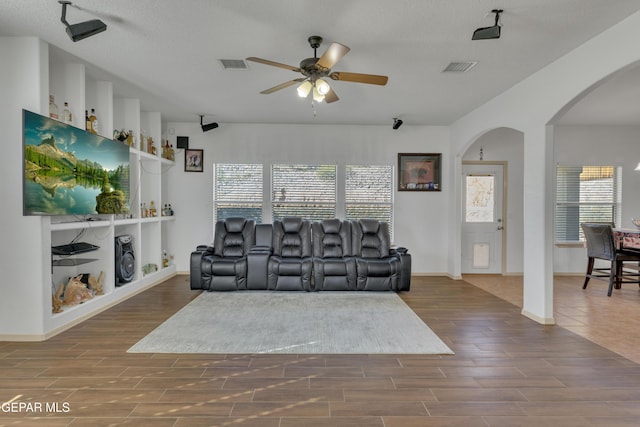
<point>334,269</point>
<point>223,266</point>
<point>289,267</point>
<point>377,269</point>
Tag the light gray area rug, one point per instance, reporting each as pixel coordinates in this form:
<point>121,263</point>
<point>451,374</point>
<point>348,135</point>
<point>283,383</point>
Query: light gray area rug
<point>254,322</point>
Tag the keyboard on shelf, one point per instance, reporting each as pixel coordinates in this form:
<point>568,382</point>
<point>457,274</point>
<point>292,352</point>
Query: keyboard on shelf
<point>73,248</point>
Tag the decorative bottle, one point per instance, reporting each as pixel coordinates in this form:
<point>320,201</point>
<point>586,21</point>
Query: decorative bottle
<point>66,114</point>
<point>94,121</point>
<point>53,108</point>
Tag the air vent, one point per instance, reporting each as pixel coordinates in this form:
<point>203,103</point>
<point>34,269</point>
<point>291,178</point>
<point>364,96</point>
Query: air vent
<point>234,64</point>
<point>459,67</point>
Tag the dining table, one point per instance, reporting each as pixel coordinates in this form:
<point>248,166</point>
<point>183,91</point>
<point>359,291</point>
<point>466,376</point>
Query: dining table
<point>627,238</point>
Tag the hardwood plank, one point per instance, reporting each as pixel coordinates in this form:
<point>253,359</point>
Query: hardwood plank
<point>506,370</point>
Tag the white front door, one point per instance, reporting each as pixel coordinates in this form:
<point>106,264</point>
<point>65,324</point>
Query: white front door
<point>482,222</point>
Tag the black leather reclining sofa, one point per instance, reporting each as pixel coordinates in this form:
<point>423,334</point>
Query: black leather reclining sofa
<point>294,254</point>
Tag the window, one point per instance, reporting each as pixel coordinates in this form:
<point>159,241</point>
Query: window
<point>585,194</point>
<point>480,198</point>
<point>369,193</point>
<point>238,191</point>
<point>307,191</point>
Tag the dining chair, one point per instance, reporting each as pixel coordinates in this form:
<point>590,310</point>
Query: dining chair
<point>601,245</point>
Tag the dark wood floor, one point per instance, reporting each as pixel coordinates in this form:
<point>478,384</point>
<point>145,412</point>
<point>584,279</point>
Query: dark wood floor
<point>507,371</point>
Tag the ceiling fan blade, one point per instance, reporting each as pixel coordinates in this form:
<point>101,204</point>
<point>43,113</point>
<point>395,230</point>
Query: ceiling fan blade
<point>334,53</point>
<point>273,63</point>
<point>359,78</point>
<point>330,96</point>
<point>282,86</point>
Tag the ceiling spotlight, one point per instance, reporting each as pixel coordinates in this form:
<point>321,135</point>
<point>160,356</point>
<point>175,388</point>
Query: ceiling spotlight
<point>487,33</point>
<point>207,127</point>
<point>397,123</point>
<point>81,30</point>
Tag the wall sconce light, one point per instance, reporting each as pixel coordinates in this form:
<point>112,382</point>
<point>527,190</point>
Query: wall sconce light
<point>397,123</point>
<point>81,30</point>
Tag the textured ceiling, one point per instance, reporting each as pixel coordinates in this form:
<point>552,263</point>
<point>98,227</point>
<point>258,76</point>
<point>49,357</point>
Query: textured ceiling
<point>167,53</point>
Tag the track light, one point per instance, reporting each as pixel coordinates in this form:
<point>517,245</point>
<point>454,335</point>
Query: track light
<point>207,127</point>
<point>487,33</point>
<point>81,30</point>
<point>397,123</point>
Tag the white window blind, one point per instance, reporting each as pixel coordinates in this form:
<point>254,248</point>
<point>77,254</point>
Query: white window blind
<point>585,194</point>
<point>238,191</point>
<point>369,192</point>
<point>307,191</point>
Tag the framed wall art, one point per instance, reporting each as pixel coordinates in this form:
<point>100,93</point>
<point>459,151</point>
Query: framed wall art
<point>419,172</point>
<point>193,160</point>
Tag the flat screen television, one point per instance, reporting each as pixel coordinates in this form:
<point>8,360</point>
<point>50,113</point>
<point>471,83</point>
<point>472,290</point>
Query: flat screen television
<point>69,171</point>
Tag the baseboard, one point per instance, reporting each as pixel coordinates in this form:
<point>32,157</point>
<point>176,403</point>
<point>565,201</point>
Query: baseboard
<point>538,319</point>
<point>23,338</point>
<point>435,275</point>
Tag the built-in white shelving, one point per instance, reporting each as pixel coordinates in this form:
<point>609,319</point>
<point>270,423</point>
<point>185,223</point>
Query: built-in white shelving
<point>70,82</point>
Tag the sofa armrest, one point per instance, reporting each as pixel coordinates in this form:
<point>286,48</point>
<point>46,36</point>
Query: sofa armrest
<point>204,248</point>
<point>404,282</point>
<point>261,250</point>
<point>257,265</point>
<point>195,269</point>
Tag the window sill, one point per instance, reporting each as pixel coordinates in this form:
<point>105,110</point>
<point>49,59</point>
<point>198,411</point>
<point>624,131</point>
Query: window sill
<point>570,245</point>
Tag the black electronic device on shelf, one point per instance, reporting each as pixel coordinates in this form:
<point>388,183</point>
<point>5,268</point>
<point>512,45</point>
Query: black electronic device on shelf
<point>73,248</point>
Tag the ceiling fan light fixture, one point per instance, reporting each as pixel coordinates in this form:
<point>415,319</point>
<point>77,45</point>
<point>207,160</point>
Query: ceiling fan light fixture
<point>304,89</point>
<point>322,86</point>
<point>317,96</point>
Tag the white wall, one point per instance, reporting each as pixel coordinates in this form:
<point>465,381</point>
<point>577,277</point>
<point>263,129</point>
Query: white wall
<point>421,218</point>
<point>531,106</point>
<point>574,145</point>
<point>23,78</point>
<point>599,145</point>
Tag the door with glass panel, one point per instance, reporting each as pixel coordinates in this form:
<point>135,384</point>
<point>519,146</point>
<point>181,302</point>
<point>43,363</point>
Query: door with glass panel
<point>482,223</point>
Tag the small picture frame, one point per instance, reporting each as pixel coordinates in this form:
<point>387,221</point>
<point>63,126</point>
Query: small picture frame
<point>419,172</point>
<point>193,160</point>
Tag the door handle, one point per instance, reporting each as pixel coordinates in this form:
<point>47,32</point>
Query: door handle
<point>500,227</point>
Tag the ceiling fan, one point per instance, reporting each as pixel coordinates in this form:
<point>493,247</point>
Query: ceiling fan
<point>315,71</point>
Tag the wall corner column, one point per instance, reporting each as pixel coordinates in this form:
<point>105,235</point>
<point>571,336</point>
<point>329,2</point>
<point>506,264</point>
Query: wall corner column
<point>538,195</point>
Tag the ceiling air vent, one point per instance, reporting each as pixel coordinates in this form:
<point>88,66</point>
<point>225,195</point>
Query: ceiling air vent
<point>459,67</point>
<point>234,64</point>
